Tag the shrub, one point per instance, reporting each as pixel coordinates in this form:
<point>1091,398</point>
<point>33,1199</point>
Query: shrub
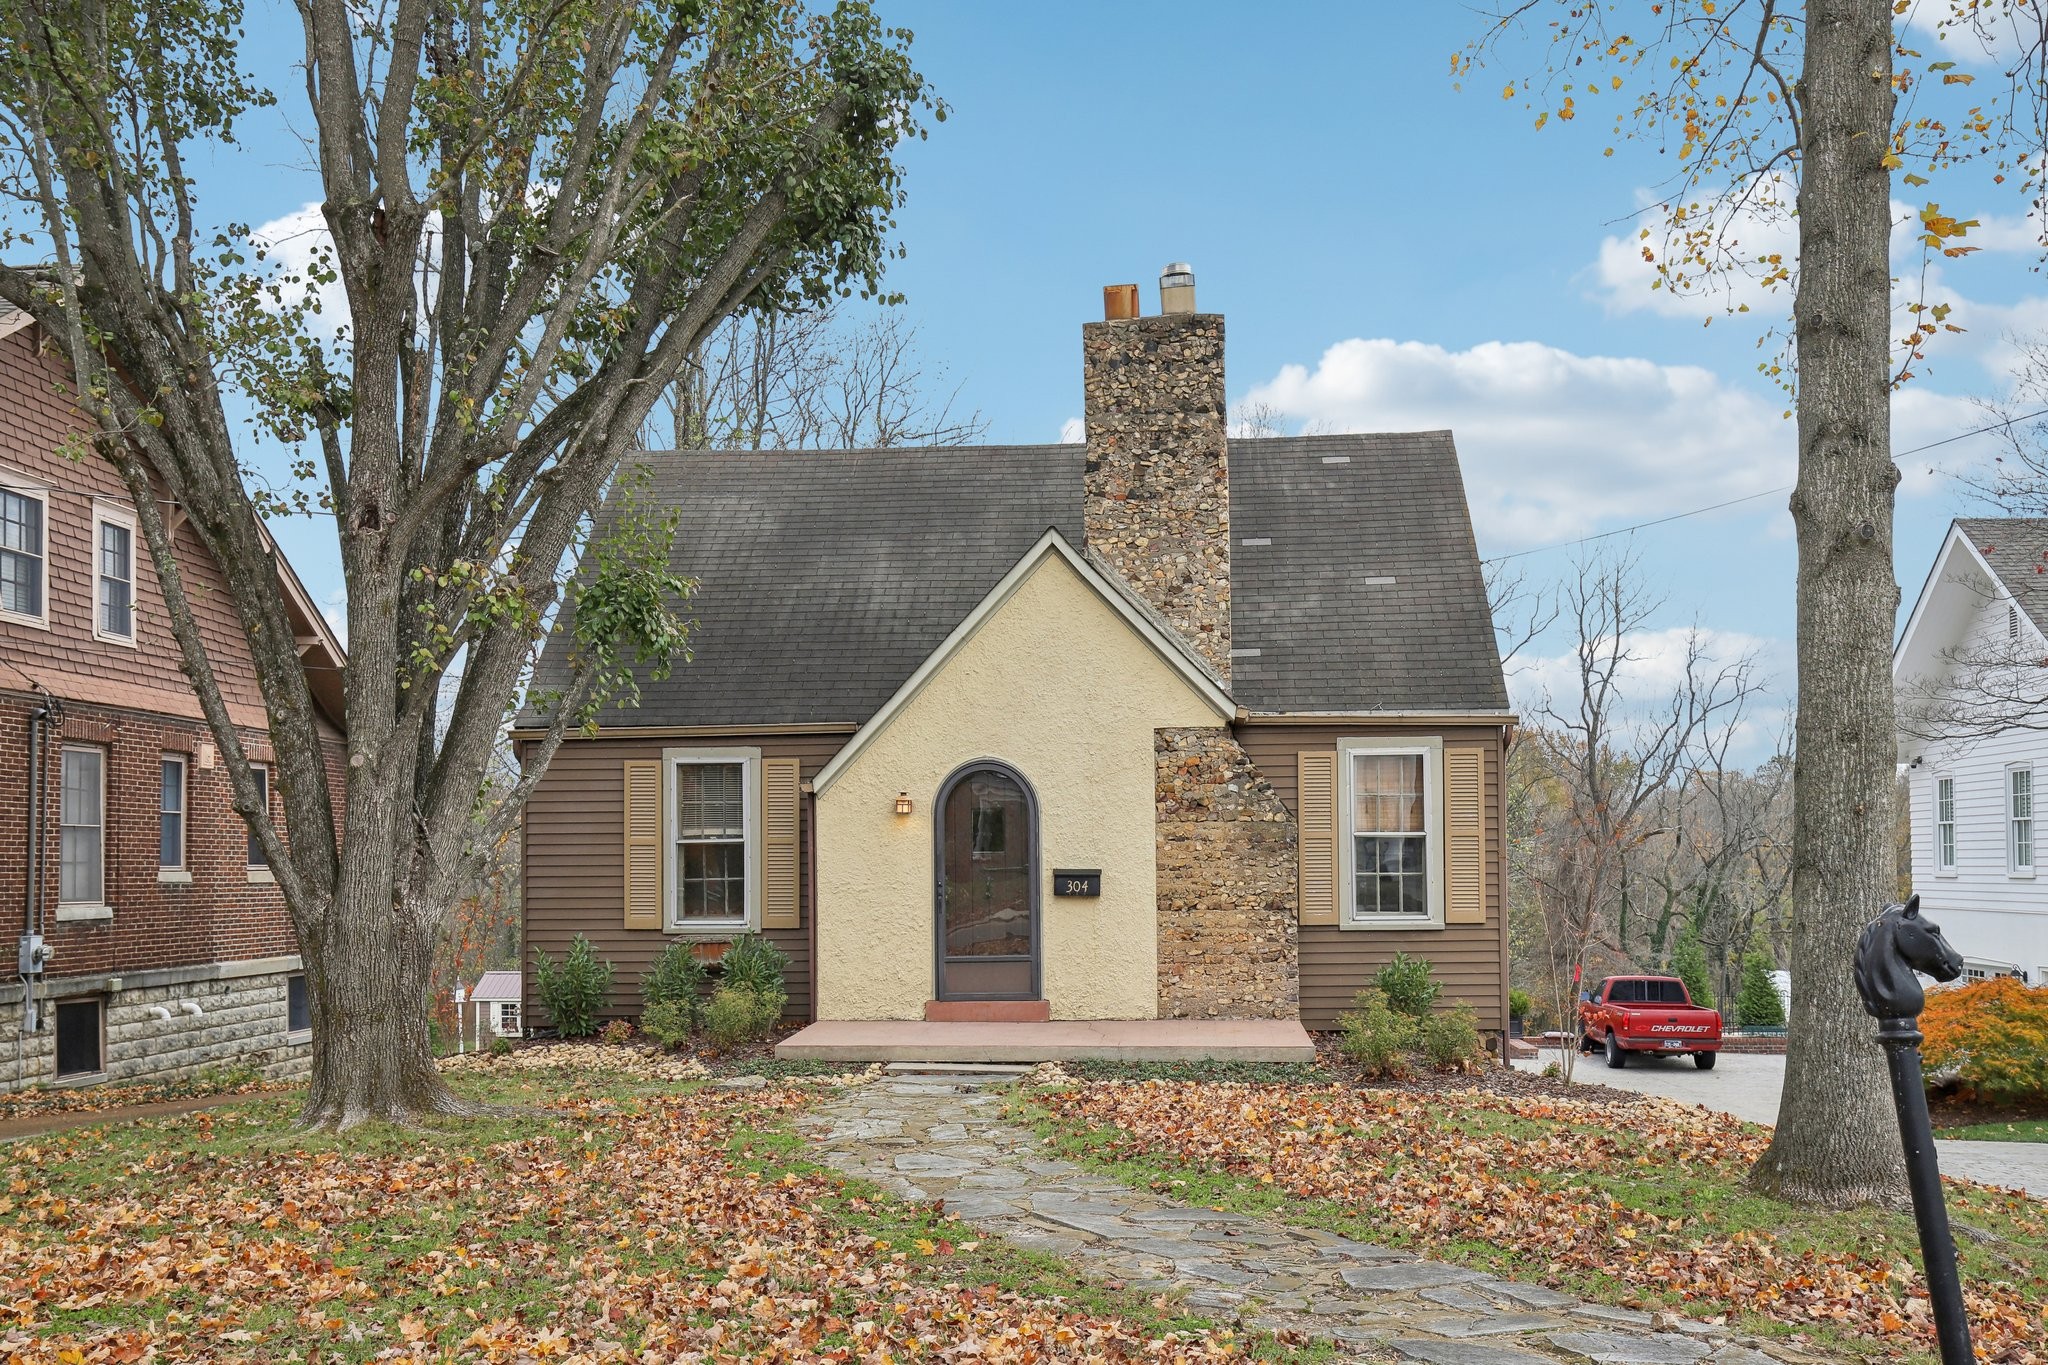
<point>1450,1038</point>
<point>736,1015</point>
<point>1689,964</point>
<point>573,990</point>
<point>1520,1003</point>
<point>677,977</point>
<point>617,1031</point>
<point>1757,1004</point>
<point>1408,985</point>
<point>1993,1035</point>
<point>669,1022</point>
<point>1376,1036</point>
<point>501,1047</point>
<point>752,963</point>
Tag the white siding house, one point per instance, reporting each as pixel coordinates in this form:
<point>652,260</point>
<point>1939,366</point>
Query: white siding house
<point>1972,655</point>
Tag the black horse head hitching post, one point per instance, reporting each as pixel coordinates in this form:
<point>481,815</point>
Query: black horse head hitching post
<point>1895,946</point>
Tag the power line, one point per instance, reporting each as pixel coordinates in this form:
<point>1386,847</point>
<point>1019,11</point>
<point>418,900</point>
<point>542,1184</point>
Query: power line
<point>1752,497</point>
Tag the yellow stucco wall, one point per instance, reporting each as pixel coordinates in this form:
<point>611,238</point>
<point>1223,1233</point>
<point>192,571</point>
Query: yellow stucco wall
<point>1059,686</point>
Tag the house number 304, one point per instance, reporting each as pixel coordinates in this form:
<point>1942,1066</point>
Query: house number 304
<point>1070,881</point>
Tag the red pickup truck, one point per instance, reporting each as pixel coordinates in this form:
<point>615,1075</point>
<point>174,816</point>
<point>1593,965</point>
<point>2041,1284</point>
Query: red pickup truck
<point>1648,1014</point>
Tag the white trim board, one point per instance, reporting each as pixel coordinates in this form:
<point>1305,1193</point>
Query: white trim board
<point>1052,544</point>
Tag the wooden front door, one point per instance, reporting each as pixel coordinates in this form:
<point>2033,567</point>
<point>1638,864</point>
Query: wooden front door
<point>987,889</point>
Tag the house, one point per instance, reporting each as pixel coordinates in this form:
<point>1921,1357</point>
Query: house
<point>496,996</point>
<point>1968,670</point>
<point>167,944</point>
<point>1162,725</point>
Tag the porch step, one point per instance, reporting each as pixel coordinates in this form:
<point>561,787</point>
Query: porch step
<point>927,1041</point>
<point>955,1069</point>
<point>987,1011</point>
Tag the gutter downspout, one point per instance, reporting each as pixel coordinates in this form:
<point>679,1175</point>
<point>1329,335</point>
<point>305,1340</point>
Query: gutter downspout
<point>811,894</point>
<point>50,711</point>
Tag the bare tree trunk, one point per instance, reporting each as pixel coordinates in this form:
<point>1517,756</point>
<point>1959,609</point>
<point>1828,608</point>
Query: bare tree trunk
<point>1836,1141</point>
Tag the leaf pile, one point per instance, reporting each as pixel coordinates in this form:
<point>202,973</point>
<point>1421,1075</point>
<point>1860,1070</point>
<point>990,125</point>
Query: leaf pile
<point>619,1234</point>
<point>38,1101</point>
<point>1538,1177</point>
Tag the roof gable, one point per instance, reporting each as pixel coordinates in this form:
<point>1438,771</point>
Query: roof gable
<point>1165,643</point>
<point>1982,563</point>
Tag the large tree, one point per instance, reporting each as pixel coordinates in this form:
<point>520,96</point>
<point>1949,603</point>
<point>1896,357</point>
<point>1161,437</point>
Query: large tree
<point>1779,119</point>
<point>535,210</point>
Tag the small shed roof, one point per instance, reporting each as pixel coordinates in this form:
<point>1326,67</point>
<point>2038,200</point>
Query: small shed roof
<point>496,986</point>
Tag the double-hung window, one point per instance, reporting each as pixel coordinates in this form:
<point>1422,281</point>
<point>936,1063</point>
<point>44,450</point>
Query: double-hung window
<point>2019,821</point>
<point>24,526</point>
<point>259,861</point>
<point>113,537</point>
<point>170,819</point>
<point>713,864</point>
<point>1393,841</point>
<point>1944,824</point>
<point>82,820</point>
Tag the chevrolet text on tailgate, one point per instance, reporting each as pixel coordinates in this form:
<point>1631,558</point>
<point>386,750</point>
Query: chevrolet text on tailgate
<point>1647,1014</point>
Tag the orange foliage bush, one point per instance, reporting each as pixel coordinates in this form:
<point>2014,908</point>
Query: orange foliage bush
<point>1993,1035</point>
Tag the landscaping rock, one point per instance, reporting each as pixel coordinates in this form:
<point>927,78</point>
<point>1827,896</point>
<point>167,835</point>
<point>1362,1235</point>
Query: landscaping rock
<point>1622,1348</point>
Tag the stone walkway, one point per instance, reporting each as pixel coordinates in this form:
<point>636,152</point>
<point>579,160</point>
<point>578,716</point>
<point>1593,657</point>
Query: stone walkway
<point>924,1136</point>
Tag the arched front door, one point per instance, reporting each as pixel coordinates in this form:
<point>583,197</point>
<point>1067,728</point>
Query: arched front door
<point>987,885</point>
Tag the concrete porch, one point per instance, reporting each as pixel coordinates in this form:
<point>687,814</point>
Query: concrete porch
<point>1059,1040</point>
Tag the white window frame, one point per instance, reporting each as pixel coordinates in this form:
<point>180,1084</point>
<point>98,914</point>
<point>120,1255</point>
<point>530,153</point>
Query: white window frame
<point>749,760</point>
<point>181,870</point>
<point>82,909</point>
<point>505,1018</point>
<point>1944,830</point>
<point>1431,749</point>
<point>106,514</point>
<point>38,493</point>
<point>2013,866</point>
<point>260,872</point>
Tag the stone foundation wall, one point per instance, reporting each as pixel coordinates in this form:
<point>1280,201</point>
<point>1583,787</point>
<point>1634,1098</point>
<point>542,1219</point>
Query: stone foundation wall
<point>242,1020</point>
<point>1226,868</point>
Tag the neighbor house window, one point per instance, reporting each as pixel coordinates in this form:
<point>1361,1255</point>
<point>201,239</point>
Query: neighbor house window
<point>22,521</point>
<point>711,841</point>
<point>298,1009</point>
<point>1391,836</point>
<point>78,1038</point>
<point>82,821</point>
<point>257,857</point>
<point>508,1017</point>
<point>1945,824</point>
<point>113,536</point>
<point>2019,820</point>
<point>170,819</point>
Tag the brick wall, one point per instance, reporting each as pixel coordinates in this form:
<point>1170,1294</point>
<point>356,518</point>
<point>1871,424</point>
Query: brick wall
<point>1226,869</point>
<point>1158,504</point>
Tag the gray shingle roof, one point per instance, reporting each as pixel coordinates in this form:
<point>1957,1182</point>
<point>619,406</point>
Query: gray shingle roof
<point>2016,548</point>
<point>826,577</point>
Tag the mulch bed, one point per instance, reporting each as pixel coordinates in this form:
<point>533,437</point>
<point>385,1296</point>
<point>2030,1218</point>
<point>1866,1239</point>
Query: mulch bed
<point>1953,1109</point>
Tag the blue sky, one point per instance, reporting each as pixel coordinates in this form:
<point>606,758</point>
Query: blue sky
<point>1389,252</point>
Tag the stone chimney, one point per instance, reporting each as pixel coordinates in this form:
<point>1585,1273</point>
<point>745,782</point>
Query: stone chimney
<point>1158,504</point>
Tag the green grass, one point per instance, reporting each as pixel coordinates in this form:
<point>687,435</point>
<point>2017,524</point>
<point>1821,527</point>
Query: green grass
<point>2004,1236</point>
<point>2024,1130</point>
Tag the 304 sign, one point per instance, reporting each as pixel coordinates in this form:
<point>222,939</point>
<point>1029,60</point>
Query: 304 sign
<point>1077,881</point>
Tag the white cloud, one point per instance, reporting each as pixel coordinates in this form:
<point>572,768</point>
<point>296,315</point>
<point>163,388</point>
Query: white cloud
<point>1556,445</point>
<point>295,244</point>
<point>334,607</point>
<point>1073,431</point>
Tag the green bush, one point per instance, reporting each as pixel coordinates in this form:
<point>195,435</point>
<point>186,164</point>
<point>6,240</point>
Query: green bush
<point>752,963</point>
<point>1757,1004</point>
<point>573,990</point>
<point>736,1015</point>
<point>677,977</point>
<point>1450,1038</point>
<point>1689,964</point>
<point>1520,1003</point>
<point>669,1022</point>
<point>1408,985</point>
<point>1376,1036</point>
<point>501,1046</point>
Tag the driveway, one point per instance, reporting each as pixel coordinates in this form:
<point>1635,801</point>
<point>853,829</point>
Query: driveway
<point>1747,1085</point>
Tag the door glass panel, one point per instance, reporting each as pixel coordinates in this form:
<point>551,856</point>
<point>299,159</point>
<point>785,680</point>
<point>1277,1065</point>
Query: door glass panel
<point>987,869</point>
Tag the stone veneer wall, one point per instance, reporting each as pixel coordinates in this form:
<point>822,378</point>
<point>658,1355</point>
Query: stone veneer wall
<point>1158,506</point>
<point>1226,869</point>
<point>242,1021</point>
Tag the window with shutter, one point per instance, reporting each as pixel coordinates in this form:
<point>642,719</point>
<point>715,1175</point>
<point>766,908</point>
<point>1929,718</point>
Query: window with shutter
<point>643,843</point>
<point>1316,804</point>
<point>1465,836</point>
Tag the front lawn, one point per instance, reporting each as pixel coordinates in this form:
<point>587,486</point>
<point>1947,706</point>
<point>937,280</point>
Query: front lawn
<point>2021,1130</point>
<point>1622,1198</point>
<point>613,1220</point>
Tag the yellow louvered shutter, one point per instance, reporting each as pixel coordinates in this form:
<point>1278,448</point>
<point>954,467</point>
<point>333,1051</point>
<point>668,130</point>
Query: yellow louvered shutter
<point>1316,798</point>
<point>1465,835</point>
<point>643,843</point>
<point>781,796</point>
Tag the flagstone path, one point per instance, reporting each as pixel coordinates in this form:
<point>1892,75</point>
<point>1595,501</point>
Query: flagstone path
<point>925,1137</point>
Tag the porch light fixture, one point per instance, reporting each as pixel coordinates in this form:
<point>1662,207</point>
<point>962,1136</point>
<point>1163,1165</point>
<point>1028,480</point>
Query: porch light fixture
<point>903,803</point>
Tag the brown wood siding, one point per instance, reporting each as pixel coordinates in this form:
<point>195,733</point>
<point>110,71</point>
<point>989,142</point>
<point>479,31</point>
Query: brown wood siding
<point>575,868</point>
<point>1470,959</point>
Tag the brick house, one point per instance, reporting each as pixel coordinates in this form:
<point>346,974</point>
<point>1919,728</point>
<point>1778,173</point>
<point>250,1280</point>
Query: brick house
<point>169,949</point>
<point>1162,725</point>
